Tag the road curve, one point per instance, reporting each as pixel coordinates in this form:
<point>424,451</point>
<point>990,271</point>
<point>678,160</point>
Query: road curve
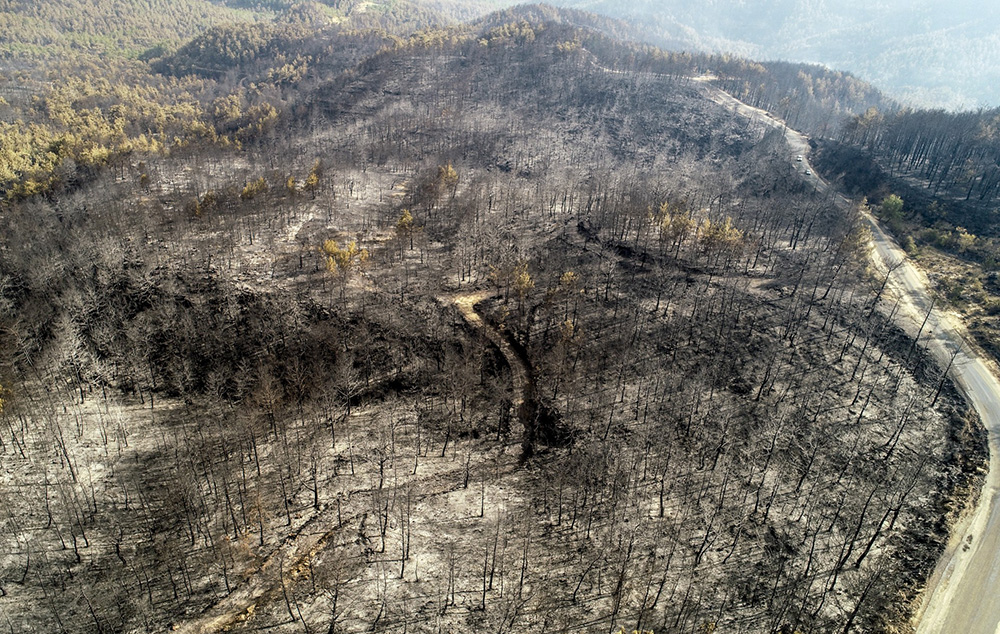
<point>960,595</point>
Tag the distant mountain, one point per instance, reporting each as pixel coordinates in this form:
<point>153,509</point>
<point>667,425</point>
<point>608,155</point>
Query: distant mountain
<point>927,53</point>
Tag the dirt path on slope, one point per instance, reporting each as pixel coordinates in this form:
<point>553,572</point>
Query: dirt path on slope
<point>520,369</point>
<point>538,421</point>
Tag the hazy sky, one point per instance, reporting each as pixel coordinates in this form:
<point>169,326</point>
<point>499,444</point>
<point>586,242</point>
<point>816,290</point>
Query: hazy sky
<point>934,52</point>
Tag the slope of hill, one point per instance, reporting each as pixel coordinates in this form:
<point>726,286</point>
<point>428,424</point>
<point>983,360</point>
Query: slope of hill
<point>237,393</point>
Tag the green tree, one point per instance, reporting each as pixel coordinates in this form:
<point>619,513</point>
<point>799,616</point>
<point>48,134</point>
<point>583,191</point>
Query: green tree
<point>313,179</point>
<point>892,205</point>
<point>720,237</point>
<point>342,262</point>
<point>675,225</point>
<point>252,189</point>
<point>891,212</point>
<point>963,239</point>
<point>405,228</point>
<point>522,280</point>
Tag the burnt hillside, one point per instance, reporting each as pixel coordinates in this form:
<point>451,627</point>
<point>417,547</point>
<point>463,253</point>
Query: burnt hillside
<point>489,330</point>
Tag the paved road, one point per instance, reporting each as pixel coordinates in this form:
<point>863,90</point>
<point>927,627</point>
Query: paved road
<point>963,593</point>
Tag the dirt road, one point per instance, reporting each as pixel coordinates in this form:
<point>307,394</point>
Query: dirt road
<point>960,595</point>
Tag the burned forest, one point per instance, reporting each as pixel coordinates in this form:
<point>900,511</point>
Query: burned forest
<point>507,327</point>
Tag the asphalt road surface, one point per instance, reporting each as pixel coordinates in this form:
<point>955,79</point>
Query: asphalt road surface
<point>963,594</point>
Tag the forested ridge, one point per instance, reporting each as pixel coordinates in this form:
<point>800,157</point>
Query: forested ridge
<point>249,370</point>
<point>122,27</point>
<point>130,28</point>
